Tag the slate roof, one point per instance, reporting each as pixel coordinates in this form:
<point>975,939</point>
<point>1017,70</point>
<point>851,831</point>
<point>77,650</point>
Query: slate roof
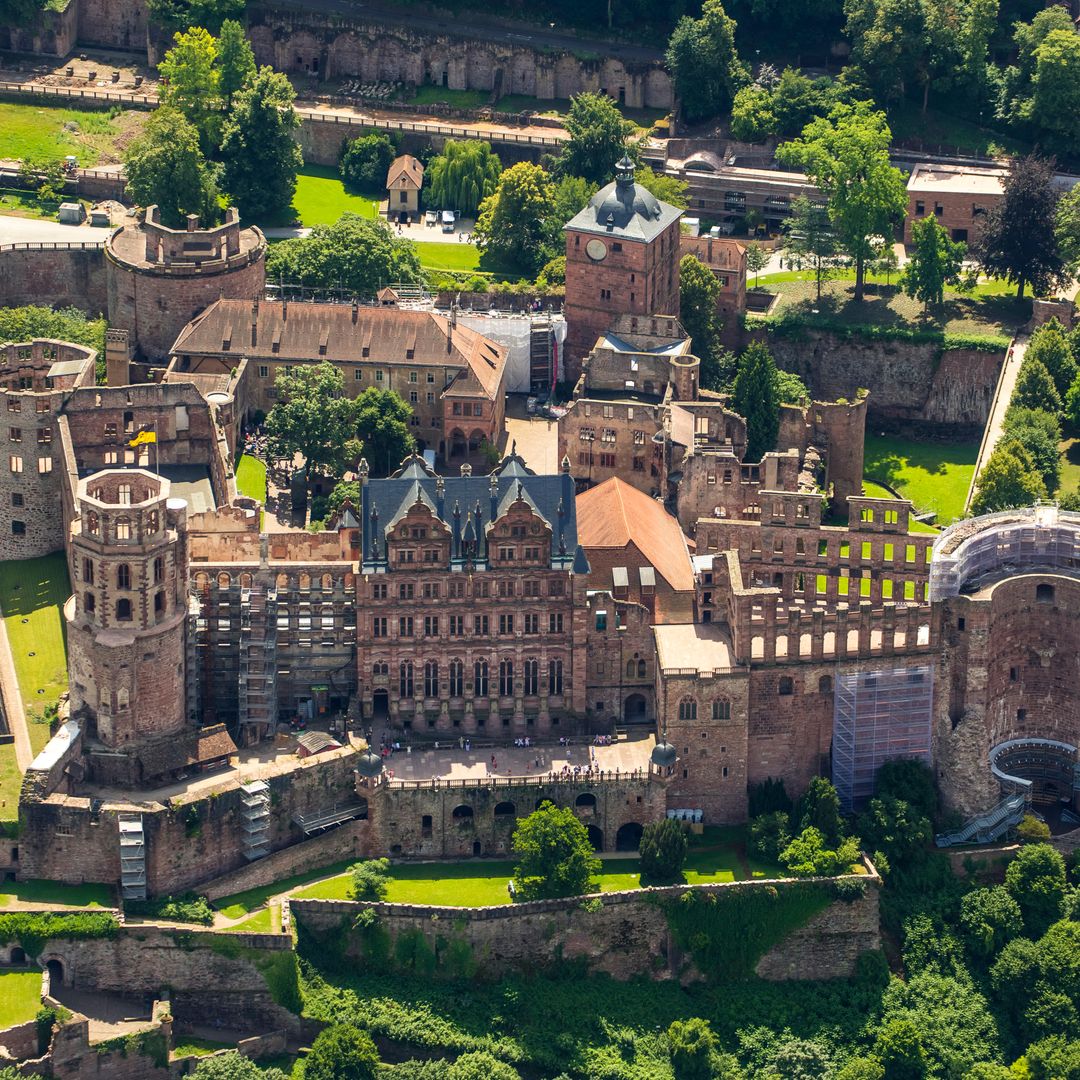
<point>468,505</point>
<point>625,210</point>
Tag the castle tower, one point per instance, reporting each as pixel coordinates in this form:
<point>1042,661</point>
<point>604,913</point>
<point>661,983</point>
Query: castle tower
<point>127,618</point>
<point>159,278</point>
<point>622,258</point>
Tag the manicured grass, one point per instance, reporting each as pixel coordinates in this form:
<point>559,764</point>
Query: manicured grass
<point>190,1046</point>
<point>25,205</point>
<point>481,884</point>
<point>934,476</point>
<point>1070,466</point>
<point>990,310</point>
<point>267,921</point>
<point>251,477</point>
<point>238,904</point>
<point>32,594</point>
<point>321,197</point>
<point>10,784</point>
<point>463,258</point>
<point>20,997</point>
<point>51,892</point>
<point>443,95</point>
<point>878,491</point>
<point>37,133</point>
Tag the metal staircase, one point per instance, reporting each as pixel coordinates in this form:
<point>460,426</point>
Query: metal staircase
<point>132,857</point>
<point>988,827</point>
<point>256,811</point>
<point>258,656</point>
<point>540,373</point>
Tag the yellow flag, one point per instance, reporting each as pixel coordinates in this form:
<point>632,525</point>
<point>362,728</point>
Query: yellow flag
<point>143,438</point>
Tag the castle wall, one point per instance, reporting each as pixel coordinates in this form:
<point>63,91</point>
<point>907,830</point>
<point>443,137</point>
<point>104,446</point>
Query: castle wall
<point>68,277</point>
<point>117,25</point>
<point>50,33</point>
<point>627,934</point>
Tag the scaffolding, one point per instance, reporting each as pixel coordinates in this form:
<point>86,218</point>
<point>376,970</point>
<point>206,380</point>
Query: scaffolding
<point>878,716</point>
<point>132,857</point>
<point>256,812</point>
<point>258,656</point>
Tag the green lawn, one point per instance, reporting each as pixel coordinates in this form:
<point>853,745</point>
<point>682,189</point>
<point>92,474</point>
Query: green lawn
<point>267,921</point>
<point>191,1046</point>
<point>32,594</point>
<point>879,491</point>
<point>36,891</point>
<point>38,133</point>
<point>480,884</point>
<point>463,258</point>
<point>20,997</point>
<point>951,133</point>
<point>443,95</point>
<point>321,197</point>
<point>934,476</point>
<point>1070,466</point>
<point>10,784</point>
<point>238,904</point>
<point>251,477</point>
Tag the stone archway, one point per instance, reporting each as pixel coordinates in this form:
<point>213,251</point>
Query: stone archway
<point>628,838</point>
<point>55,967</point>
<point>380,704</point>
<point>636,709</point>
<point>596,837</point>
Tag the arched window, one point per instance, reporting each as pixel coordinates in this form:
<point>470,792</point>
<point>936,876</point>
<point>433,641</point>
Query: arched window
<point>152,521</point>
<point>382,669</point>
<point>159,569</point>
<point>555,675</point>
<point>223,580</point>
<point>631,667</point>
<point>431,678</point>
<point>123,611</point>
<point>642,670</point>
<point>532,678</point>
<point>688,709</point>
<point>405,679</point>
<point>824,684</point>
<point>122,699</point>
<point>123,529</point>
<point>457,678</point>
<point>88,571</point>
<point>93,523</point>
<point>90,603</point>
<point>721,710</point>
<point>123,576</point>
<point>506,678</point>
<point>480,678</point>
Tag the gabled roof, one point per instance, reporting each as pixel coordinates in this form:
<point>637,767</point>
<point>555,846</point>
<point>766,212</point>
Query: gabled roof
<point>405,171</point>
<point>615,515</point>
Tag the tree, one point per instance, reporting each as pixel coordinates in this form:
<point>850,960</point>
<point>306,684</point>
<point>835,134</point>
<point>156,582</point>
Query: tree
<point>911,780</point>
<point>808,234</point>
<point>846,154</point>
<point>480,1065</point>
<point>820,807</point>
<point>1031,830</point>
<point>312,416</point>
<point>463,176</point>
<point>1035,388</point>
<point>895,828</point>
<point>755,399</point>
<point>344,491</point>
<point>1050,345</point>
<point>899,1048</point>
<point>381,422</point>
<point>1072,406</point>
<point>663,850</point>
<point>807,855</point>
<point>342,1052</point>
<point>769,835</point>
<point>1039,433</point>
<point>258,152</point>
<point>166,167</point>
<point>693,1046</point>
<point>354,253</point>
<point>598,138</point>
<point>554,855</point>
<point>861,1068</point>
<point>1053,1058</point>
<point>180,14</point>
<point>704,64</point>
<point>570,195</point>
<point>934,261</point>
<point>366,160</point>
<point>757,258</point>
<point>1008,480</point>
<point>790,389</point>
<point>1036,881</point>
<point>1055,104</point>
<point>229,1066</point>
<point>990,919</point>
<point>511,222</point>
<point>235,61</point>
<point>190,82</point>
<point>752,116</point>
<point>669,189</point>
<point>1067,227</point>
<point>698,294</point>
<point>370,879</point>
<point>1018,242</point>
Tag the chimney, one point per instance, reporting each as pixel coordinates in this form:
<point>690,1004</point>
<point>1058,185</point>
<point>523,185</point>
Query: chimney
<point>117,354</point>
<point>355,311</point>
<point>451,326</point>
<point>192,222</point>
<point>254,323</point>
<point>284,309</point>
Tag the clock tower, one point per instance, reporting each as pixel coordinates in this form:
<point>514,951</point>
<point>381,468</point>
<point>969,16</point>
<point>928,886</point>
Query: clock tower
<point>622,258</point>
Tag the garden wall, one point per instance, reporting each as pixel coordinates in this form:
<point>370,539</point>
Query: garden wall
<point>915,382</point>
<point>624,934</point>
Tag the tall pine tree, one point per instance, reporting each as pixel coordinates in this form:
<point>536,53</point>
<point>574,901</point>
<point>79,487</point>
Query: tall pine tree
<point>755,398</point>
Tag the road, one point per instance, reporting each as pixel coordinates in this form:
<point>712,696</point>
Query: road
<point>17,230</point>
<point>476,28</point>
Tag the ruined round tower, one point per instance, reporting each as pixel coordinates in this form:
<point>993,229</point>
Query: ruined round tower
<point>128,615</point>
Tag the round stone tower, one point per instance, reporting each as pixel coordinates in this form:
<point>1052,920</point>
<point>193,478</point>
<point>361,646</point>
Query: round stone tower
<point>159,278</point>
<point>127,618</point>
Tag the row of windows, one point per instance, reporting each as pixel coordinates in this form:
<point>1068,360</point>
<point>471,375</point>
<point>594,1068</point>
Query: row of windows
<point>358,373</point>
<point>830,549</point>
<point>721,709</point>
<point>44,434</point>
<point>482,684</point>
<point>468,408</point>
<point>14,404</point>
<point>433,625</point>
<point>123,572</point>
<point>123,608</point>
<point>455,590</point>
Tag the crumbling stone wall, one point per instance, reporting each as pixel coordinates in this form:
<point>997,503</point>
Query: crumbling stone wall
<point>70,277</point>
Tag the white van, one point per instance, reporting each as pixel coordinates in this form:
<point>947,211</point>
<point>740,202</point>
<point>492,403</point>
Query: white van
<point>448,220</point>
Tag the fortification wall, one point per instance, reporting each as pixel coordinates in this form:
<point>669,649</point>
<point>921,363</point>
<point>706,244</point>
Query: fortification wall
<point>117,24</point>
<point>908,381</point>
<point>622,934</point>
<point>51,33</point>
<point>44,274</point>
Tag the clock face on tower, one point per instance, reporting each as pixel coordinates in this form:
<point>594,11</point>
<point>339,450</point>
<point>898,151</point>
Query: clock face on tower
<point>596,249</point>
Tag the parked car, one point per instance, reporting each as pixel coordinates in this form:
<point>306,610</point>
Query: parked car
<point>448,221</point>
<point>431,217</point>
